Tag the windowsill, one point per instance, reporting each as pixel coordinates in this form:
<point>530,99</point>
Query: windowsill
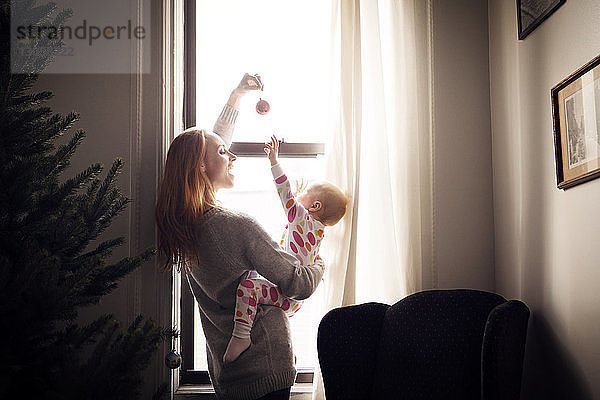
<point>300,391</point>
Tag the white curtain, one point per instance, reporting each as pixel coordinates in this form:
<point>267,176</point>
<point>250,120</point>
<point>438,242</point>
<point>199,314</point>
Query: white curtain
<point>375,252</point>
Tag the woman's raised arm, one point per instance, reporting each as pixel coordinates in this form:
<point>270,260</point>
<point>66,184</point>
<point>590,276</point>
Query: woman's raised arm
<point>225,124</point>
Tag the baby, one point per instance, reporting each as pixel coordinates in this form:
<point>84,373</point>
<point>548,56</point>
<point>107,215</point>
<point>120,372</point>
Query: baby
<point>322,204</point>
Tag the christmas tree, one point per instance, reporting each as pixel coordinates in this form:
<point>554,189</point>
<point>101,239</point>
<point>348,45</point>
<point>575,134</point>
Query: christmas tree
<point>53,258</point>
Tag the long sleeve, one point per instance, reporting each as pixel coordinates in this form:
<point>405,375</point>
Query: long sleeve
<point>225,124</point>
<point>237,243</point>
<point>296,281</point>
<point>294,211</point>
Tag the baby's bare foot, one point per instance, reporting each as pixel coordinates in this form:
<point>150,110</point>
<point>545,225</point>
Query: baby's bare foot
<point>235,347</point>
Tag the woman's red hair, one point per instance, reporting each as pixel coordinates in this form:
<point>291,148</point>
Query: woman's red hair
<point>184,194</point>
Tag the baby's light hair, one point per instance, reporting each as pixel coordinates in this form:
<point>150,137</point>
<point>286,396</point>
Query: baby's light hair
<point>333,200</point>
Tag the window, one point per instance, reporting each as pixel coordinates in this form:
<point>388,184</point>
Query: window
<point>286,42</point>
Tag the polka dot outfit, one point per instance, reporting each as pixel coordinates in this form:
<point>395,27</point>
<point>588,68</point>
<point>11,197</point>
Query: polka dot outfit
<point>301,238</point>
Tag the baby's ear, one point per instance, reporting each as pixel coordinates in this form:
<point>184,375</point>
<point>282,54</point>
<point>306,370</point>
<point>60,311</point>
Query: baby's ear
<point>316,205</point>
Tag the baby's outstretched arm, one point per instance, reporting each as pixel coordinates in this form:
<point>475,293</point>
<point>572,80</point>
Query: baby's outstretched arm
<point>292,208</point>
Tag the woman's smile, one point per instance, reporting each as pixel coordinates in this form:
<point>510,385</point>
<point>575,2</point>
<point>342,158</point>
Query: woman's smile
<point>219,163</point>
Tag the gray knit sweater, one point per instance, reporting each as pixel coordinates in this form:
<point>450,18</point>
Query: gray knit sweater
<point>230,244</point>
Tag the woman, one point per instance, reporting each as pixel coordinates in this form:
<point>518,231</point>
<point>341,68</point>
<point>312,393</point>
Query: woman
<point>217,248</point>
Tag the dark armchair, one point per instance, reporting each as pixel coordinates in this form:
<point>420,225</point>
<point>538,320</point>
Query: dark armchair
<point>437,344</point>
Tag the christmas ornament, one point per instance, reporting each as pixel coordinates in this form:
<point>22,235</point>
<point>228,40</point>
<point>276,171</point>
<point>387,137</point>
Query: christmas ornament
<point>262,107</point>
<point>173,359</point>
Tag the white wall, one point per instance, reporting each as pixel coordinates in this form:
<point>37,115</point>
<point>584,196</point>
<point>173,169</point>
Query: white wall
<point>462,181</point>
<point>546,239</point>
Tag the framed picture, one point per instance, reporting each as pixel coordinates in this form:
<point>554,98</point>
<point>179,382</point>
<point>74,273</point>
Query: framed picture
<point>576,117</point>
<point>531,13</point>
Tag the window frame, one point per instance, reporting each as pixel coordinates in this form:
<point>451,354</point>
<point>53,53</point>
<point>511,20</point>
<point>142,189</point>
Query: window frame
<point>188,375</point>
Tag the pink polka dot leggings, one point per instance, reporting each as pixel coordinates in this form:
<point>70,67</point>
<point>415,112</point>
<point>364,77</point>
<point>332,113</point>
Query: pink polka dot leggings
<point>254,291</point>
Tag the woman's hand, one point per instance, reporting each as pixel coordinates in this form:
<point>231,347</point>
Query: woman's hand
<point>246,85</point>
<point>272,150</point>
<point>249,83</point>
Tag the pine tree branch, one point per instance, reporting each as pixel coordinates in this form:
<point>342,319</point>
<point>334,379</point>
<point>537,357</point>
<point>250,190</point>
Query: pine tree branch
<point>97,222</point>
<point>77,182</point>
<point>105,279</point>
<point>61,158</point>
<point>53,127</point>
<point>25,101</point>
<point>113,209</point>
<point>108,202</point>
<point>25,120</point>
<point>93,188</point>
<point>34,15</point>
<point>104,250</point>
<point>115,169</point>
<point>47,206</point>
<point>60,125</point>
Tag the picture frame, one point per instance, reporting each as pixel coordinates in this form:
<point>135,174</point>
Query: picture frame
<point>531,13</point>
<point>576,122</point>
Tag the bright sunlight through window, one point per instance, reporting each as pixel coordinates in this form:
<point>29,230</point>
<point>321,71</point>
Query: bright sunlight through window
<point>287,44</point>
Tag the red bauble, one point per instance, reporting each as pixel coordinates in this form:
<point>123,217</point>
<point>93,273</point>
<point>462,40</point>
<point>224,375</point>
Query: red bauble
<point>262,107</point>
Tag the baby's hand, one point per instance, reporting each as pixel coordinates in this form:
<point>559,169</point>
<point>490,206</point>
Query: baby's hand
<point>300,186</point>
<point>272,150</point>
